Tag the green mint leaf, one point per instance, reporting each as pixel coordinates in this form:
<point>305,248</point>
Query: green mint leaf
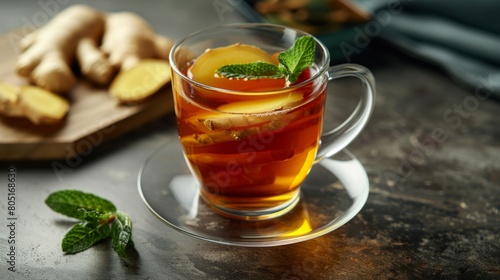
<point>94,216</point>
<point>121,233</point>
<point>296,59</point>
<point>253,70</point>
<point>68,202</point>
<point>83,235</point>
<point>291,63</point>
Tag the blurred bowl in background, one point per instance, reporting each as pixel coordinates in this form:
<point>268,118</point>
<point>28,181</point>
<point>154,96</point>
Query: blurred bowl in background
<point>339,24</point>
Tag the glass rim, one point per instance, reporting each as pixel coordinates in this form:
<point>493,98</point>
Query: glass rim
<point>321,68</point>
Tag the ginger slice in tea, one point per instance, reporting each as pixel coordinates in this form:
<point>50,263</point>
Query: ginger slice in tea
<point>205,67</point>
<point>266,104</point>
<point>226,135</point>
<point>228,121</point>
<point>247,113</point>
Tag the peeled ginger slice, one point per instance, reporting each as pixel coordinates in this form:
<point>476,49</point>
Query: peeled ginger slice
<point>246,113</point>
<point>9,100</point>
<point>205,67</point>
<point>42,106</point>
<point>263,105</point>
<point>140,81</point>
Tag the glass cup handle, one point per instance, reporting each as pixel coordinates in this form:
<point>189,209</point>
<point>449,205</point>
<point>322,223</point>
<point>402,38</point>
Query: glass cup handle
<point>338,138</point>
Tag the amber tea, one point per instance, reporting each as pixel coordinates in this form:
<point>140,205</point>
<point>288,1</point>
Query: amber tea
<point>249,119</point>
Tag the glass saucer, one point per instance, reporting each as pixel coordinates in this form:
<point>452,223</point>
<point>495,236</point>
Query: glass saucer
<point>335,190</point>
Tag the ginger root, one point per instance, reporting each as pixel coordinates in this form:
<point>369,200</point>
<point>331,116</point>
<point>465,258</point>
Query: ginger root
<point>120,49</point>
<point>47,54</point>
<point>128,39</point>
<point>140,55</point>
<point>102,44</point>
<point>140,81</point>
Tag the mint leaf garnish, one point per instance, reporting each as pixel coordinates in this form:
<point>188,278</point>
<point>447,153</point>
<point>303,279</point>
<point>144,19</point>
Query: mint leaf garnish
<point>291,64</point>
<point>253,70</point>
<point>121,233</point>
<point>297,58</point>
<point>83,235</point>
<point>68,202</point>
<point>99,220</point>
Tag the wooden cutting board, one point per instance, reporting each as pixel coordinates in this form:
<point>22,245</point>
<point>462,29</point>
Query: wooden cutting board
<point>94,118</point>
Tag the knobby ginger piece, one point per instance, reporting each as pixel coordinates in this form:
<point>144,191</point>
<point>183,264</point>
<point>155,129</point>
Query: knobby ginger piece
<point>94,64</point>
<point>128,39</point>
<point>9,100</point>
<point>42,106</point>
<point>141,81</point>
<point>47,54</point>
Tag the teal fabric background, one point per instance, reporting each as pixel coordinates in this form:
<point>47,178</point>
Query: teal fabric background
<point>462,37</point>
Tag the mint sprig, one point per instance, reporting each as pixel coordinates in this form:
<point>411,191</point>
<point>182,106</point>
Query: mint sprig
<point>99,220</point>
<point>291,63</point>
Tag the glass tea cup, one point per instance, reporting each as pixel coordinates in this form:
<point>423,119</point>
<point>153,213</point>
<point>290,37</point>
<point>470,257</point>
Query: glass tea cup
<point>250,150</point>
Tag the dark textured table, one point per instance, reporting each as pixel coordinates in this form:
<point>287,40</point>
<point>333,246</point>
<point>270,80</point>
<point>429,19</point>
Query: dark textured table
<point>431,151</point>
